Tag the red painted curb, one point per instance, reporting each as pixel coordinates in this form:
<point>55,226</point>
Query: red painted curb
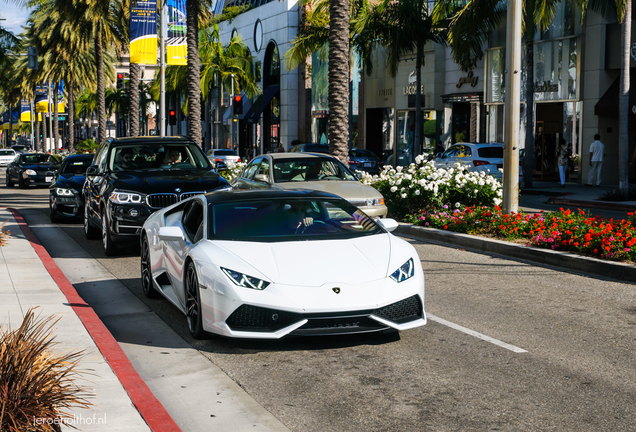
<point>146,403</point>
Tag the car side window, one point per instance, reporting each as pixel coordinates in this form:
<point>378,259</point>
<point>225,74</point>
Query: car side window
<point>263,168</point>
<point>100,158</point>
<point>463,151</point>
<point>193,221</point>
<point>451,152</point>
<point>251,169</point>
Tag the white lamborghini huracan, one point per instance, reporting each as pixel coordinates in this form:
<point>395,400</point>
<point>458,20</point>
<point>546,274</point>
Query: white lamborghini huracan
<point>267,264</point>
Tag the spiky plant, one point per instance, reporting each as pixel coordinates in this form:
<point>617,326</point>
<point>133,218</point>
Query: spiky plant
<point>36,383</point>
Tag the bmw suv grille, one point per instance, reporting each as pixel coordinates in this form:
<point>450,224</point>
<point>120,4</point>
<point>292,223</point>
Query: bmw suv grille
<point>161,200</point>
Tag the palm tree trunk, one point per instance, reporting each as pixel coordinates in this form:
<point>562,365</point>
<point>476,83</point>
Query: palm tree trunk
<point>528,166</point>
<point>36,127</point>
<point>194,74</point>
<point>71,115</point>
<point>417,134</point>
<point>101,95</point>
<point>623,102</point>
<point>44,134</point>
<point>135,75</point>
<point>56,120</point>
<point>338,79</point>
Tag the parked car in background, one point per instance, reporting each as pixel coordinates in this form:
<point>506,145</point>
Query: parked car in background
<point>6,156</point>
<point>268,264</point>
<point>65,194</point>
<point>133,177</point>
<point>310,148</point>
<point>365,160</point>
<point>475,157</point>
<point>223,158</point>
<point>310,171</point>
<point>20,148</point>
<point>32,169</point>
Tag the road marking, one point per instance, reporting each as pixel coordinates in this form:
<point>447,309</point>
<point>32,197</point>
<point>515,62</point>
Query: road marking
<point>475,334</point>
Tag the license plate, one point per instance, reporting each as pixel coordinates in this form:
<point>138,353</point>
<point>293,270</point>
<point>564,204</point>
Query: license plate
<point>367,165</point>
<point>48,179</point>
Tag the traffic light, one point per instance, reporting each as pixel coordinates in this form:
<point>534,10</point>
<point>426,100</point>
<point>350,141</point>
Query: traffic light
<point>120,81</point>
<point>172,117</point>
<point>238,104</point>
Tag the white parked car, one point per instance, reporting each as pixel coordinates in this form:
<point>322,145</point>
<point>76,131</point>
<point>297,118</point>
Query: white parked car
<point>271,263</point>
<point>222,158</point>
<point>476,157</point>
<point>6,156</point>
<point>313,171</point>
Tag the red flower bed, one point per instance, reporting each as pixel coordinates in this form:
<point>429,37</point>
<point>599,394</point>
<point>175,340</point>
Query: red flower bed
<point>563,230</point>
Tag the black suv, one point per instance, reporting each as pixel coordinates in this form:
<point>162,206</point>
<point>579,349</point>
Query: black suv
<point>132,177</point>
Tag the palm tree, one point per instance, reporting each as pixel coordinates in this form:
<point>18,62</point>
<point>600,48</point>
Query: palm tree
<point>220,63</point>
<point>338,132</point>
<point>117,101</point>
<point>194,74</point>
<point>86,105</point>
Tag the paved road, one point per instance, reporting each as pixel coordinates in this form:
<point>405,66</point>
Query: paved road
<point>510,346</point>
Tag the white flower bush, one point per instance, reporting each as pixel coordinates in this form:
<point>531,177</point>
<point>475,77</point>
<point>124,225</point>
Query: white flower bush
<point>423,186</point>
<point>233,170</point>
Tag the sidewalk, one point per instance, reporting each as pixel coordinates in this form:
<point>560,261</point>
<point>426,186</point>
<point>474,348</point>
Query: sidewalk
<point>577,195</point>
<point>29,278</point>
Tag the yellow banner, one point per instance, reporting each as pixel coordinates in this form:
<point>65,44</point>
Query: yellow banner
<point>144,50</point>
<point>177,55</point>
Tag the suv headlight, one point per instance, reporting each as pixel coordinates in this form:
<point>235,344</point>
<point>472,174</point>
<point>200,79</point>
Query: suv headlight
<point>375,202</point>
<point>244,280</point>
<point>406,271</point>
<point>30,172</point>
<point>118,197</point>
<point>64,192</point>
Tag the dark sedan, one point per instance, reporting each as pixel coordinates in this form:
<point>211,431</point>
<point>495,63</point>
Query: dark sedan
<point>133,177</point>
<point>365,160</point>
<point>32,169</point>
<point>65,194</point>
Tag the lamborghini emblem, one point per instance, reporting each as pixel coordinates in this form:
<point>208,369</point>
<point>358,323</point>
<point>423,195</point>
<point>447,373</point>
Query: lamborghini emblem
<point>336,290</point>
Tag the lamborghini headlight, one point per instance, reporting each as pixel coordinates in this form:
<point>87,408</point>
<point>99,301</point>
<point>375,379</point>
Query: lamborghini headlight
<point>244,280</point>
<point>118,197</point>
<point>406,271</point>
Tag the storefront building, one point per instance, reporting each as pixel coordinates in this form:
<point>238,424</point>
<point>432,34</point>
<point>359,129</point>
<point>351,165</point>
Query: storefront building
<point>557,91</point>
<point>389,106</point>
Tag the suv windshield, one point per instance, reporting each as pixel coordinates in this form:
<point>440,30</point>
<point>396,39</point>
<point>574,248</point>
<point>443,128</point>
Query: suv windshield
<point>75,166</point>
<point>153,157</point>
<point>289,219</point>
<point>310,169</point>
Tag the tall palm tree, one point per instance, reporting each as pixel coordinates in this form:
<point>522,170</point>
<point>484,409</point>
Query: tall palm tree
<point>219,63</point>
<point>338,131</point>
<point>118,102</point>
<point>194,74</point>
<point>96,21</point>
<point>86,105</point>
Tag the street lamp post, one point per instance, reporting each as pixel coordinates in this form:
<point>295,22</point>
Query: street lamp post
<point>511,108</point>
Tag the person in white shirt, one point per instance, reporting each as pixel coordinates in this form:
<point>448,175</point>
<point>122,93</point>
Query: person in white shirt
<point>597,154</point>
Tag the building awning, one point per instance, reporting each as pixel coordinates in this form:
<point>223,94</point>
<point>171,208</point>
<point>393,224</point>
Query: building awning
<point>607,105</point>
<point>260,104</point>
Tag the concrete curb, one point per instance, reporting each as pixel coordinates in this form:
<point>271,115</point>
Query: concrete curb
<point>151,410</point>
<point>609,269</point>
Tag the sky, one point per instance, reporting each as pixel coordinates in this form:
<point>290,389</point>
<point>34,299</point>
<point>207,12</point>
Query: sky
<point>13,17</point>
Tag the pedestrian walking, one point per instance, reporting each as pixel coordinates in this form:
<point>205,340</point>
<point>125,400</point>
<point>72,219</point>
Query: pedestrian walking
<point>562,161</point>
<point>597,155</point>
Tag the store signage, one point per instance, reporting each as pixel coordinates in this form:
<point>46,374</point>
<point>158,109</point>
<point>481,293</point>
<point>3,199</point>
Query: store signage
<point>468,79</point>
<point>385,92</point>
<point>410,90</point>
<point>546,87</point>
